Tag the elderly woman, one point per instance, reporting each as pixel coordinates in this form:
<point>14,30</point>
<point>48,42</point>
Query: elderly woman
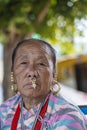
<point>37,104</point>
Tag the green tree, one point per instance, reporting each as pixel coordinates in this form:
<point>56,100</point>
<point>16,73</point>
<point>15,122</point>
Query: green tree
<point>24,18</point>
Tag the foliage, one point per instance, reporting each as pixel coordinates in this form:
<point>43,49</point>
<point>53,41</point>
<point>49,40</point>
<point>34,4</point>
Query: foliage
<point>67,48</point>
<point>42,17</point>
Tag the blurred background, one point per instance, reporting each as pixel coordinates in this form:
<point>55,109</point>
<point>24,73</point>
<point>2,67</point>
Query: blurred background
<point>63,23</point>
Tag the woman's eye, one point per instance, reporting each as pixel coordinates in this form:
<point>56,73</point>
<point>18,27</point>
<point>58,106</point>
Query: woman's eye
<point>23,63</point>
<point>41,64</point>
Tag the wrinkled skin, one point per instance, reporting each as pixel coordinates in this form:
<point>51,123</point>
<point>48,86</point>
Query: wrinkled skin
<point>33,60</point>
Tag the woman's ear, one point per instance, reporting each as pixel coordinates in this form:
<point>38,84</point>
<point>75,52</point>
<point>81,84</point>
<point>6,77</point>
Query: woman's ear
<point>14,78</point>
<point>54,81</point>
<point>55,76</point>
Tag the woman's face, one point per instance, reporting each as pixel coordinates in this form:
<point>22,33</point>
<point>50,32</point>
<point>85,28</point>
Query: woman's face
<point>33,60</point>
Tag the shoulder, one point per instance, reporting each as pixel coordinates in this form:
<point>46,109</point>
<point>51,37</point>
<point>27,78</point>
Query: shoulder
<point>65,110</point>
<point>59,100</point>
<point>65,107</point>
<point>7,110</point>
<point>11,102</point>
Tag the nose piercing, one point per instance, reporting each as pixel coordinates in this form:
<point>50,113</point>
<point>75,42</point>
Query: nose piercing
<point>33,80</point>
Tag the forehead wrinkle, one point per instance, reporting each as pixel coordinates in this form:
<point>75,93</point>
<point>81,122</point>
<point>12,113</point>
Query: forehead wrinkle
<point>41,46</point>
<point>31,47</point>
<point>39,57</point>
<point>21,56</point>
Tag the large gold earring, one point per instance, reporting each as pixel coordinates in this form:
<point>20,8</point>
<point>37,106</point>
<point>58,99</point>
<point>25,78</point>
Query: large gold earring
<point>55,88</point>
<point>13,86</point>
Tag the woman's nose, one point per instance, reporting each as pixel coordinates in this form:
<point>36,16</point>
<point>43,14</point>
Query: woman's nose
<point>32,72</point>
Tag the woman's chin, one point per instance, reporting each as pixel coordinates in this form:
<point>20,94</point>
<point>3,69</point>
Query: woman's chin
<point>30,94</point>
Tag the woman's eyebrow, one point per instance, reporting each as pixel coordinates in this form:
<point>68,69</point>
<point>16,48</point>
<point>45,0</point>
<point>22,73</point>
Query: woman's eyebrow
<point>41,58</point>
<point>20,57</point>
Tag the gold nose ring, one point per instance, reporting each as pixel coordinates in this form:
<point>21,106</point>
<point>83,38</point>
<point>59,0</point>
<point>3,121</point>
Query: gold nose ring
<point>33,80</point>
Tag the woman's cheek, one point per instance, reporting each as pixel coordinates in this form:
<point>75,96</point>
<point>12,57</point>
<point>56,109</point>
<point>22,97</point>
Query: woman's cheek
<point>20,72</point>
<point>19,77</point>
<point>47,78</point>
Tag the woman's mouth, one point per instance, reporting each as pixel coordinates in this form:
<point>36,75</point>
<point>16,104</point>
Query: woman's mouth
<point>31,84</point>
<point>28,85</point>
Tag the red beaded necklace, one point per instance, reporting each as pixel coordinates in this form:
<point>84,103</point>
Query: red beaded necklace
<point>38,122</point>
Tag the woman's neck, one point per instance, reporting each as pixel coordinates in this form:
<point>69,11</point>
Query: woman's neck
<point>31,102</point>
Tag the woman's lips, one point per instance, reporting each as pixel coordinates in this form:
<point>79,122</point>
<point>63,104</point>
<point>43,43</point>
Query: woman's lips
<point>28,85</point>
